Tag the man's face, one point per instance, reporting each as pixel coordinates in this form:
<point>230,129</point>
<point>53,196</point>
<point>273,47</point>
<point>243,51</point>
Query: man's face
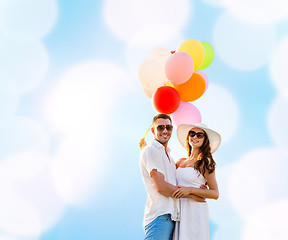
<point>160,134</point>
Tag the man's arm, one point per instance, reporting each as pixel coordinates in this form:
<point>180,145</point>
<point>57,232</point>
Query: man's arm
<point>161,185</point>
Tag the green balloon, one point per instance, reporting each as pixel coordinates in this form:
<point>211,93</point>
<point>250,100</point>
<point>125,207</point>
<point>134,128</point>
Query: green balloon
<point>209,55</point>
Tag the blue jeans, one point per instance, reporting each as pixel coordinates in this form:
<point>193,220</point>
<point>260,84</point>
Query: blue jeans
<point>160,229</point>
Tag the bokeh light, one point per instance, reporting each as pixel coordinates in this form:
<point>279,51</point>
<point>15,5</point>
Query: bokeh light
<point>85,93</point>
<point>73,111</point>
<point>8,106</point>
<point>22,134</point>
<point>152,21</point>
<point>27,19</point>
<point>277,118</point>
<point>23,65</point>
<point>256,11</point>
<point>217,3</point>
<point>29,203</point>
<point>278,69</point>
<point>214,105</point>
<point>241,45</point>
<point>221,210</point>
<point>256,166</point>
<point>268,222</point>
<point>75,169</point>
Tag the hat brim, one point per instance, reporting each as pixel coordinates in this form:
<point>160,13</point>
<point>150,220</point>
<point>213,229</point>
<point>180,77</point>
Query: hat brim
<point>214,137</point>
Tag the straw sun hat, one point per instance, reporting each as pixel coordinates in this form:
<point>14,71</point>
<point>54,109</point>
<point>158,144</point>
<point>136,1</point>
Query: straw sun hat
<point>214,137</point>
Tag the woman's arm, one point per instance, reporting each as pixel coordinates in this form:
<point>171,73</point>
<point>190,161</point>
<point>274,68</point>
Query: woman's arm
<point>212,192</point>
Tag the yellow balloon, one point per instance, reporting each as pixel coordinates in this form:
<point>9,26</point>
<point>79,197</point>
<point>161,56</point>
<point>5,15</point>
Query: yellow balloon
<point>195,49</point>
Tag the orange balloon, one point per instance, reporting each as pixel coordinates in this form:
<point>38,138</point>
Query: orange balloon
<point>192,89</point>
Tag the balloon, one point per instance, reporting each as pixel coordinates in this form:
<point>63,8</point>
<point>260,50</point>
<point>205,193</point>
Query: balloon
<point>151,74</point>
<point>192,89</point>
<point>179,67</point>
<point>160,55</point>
<point>205,78</point>
<point>148,92</point>
<point>170,84</point>
<point>209,55</point>
<point>195,49</point>
<point>186,113</point>
<point>166,99</point>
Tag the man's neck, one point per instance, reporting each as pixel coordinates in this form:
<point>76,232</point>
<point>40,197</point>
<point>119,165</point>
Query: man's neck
<point>164,144</point>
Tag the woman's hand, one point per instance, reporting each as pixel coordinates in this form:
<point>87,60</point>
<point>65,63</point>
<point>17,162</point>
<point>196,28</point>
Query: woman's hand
<point>142,143</point>
<point>181,192</point>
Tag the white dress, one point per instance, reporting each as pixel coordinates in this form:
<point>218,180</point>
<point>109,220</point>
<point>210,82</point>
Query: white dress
<point>194,216</point>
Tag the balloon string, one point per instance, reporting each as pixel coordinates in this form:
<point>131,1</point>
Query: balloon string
<point>147,131</point>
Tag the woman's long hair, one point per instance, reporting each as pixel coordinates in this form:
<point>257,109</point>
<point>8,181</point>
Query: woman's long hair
<point>205,160</point>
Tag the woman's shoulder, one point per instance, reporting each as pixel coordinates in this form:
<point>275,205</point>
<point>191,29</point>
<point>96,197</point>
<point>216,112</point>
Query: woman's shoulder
<point>179,161</point>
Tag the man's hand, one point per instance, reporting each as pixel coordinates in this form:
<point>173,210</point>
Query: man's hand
<point>181,192</point>
<point>184,192</point>
<point>142,143</point>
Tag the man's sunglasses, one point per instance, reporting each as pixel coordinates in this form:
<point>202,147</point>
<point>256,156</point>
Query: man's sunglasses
<point>198,134</point>
<point>161,128</point>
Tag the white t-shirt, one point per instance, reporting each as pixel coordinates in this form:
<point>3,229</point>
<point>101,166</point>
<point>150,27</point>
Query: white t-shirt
<point>152,157</point>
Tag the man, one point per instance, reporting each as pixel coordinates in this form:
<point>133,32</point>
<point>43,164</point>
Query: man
<point>158,173</point>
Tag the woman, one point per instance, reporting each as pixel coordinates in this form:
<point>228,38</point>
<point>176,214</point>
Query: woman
<point>192,172</point>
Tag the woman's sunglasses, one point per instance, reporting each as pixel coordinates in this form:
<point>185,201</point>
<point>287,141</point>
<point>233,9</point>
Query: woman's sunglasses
<point>198,134</point>
<point>161,128</point>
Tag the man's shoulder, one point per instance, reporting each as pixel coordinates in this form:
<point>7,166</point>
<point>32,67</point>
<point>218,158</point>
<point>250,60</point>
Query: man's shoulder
<point>149,148</point>
<point>151,151</point>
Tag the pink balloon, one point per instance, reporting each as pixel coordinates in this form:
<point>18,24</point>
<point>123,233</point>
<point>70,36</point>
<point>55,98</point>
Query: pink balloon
<point>186,113</point>
<point>179,68</point>
<point>205,78</point>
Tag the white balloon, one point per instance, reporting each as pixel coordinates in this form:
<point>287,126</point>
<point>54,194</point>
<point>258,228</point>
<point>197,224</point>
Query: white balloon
<point>160,54</point>
<point>151,74</point>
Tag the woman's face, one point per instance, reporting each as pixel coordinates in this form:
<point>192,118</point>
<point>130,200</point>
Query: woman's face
<point>196,137</point>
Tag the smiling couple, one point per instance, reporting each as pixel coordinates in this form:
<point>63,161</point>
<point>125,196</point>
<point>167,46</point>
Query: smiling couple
<point>175,206</point>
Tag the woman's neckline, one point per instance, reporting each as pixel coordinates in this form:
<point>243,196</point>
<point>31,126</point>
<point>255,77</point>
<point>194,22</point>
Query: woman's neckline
<point>186,167</point>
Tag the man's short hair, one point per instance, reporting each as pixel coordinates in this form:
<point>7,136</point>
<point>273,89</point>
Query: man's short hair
<point>161,115</point>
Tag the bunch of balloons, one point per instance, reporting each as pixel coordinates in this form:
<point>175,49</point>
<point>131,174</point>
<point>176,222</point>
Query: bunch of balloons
<point>172,79</point>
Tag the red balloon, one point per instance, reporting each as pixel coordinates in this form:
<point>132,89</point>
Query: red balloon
<point>166,99</point>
